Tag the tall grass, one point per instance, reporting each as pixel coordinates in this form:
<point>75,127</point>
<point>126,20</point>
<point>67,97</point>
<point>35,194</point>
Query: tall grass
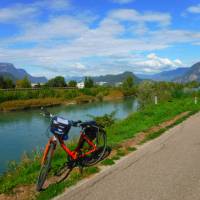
<point>53,93</point>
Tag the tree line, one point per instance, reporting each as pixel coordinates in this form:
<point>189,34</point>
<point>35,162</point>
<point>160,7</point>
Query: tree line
<point>58,81</point>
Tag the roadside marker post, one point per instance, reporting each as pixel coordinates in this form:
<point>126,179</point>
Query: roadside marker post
<point>156,100</point>
<point>195,100</point>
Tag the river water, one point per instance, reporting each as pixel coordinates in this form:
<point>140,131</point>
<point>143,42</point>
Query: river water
<point>24,131</point>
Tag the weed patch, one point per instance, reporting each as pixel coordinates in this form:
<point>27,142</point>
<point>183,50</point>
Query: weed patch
<point>108,161</point>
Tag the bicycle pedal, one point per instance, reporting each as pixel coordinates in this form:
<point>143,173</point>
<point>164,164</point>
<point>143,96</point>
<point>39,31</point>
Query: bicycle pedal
<point>71,164</point>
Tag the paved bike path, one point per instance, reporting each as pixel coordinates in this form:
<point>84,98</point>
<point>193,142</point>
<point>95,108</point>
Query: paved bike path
<point>164,169</point>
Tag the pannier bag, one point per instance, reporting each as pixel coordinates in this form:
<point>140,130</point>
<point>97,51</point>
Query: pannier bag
<point>91,131</point>
<point>61,127</point>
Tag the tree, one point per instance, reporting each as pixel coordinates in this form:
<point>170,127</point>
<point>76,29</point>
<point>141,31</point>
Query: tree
<point>72,83</point>
<point>9,83</point>
<point>58,81</point>
<point>193,84</point>
<point>128,82</point>
<point>6,83</point>
<point>24,83</point>
<point>146,92</point>
<point>88,83</point>
<point>1,82</point>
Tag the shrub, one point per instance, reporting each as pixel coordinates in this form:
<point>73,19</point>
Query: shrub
<point>105,120</point>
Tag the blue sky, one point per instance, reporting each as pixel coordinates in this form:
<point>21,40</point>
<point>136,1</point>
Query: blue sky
<point>93,37</point>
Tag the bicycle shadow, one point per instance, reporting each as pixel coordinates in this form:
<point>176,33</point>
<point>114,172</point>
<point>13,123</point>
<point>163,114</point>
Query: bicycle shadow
<point>57,179</point>
<point>65,171</point>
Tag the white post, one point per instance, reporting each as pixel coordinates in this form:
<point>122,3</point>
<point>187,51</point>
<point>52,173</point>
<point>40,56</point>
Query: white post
<point>156,100</point>
<point>195,100</point>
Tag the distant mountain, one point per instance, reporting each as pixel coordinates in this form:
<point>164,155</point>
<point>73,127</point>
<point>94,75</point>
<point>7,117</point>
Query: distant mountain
<point>9,70</point>
<point>74,78</point>
<point>109,79</point>
<point>169,75</point>
<point>115,78</point>
<point>193,74</point>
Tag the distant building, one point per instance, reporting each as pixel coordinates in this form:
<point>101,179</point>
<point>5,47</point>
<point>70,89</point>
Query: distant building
<point>80,85</point>
<point>33,85</point>
<point>101,83</point>
<point>118,84</point>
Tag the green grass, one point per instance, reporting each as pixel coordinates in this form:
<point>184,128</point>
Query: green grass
<point>121,152</point>
<point>130,149</point>
<point>151,116</point>
<point>154,135</point>
<point>108,161</point>
<point>55,189</point>
<point>116,157</point>
<point>27,170</point>
<point>162,130</point>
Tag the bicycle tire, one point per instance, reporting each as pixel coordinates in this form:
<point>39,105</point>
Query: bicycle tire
<point>63,173</point>
<point>45,168</point>
<point>96,156</point>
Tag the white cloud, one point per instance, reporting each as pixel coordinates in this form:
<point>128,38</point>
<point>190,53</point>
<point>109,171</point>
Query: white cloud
<point>80,66</point>
<point>122,1</point>
<point>154,64</point>
<point>57,27</point>
<point>132,15</point>
<point>30,10</point>
<point>194,9</point>
<point>16,12</point>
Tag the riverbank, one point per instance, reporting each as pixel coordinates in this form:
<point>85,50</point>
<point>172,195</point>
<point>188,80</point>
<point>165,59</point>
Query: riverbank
<point>75,97</point>
<point>121,132</point>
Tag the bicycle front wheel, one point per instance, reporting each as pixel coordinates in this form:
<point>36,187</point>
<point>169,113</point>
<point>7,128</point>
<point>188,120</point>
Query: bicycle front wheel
<point>45,168</point>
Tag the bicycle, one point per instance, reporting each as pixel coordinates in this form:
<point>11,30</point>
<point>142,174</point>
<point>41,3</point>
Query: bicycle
<point>90,149</point>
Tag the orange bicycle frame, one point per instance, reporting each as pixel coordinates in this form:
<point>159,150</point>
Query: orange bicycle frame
<point>72,154</point>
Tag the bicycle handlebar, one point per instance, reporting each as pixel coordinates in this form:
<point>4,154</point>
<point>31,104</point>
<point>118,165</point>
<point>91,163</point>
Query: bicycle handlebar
<point>76,123</point>
<point>46,113</point>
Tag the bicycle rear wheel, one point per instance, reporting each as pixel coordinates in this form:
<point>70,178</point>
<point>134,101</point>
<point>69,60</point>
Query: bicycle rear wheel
<point>45,168</point>
<point>101,142</point>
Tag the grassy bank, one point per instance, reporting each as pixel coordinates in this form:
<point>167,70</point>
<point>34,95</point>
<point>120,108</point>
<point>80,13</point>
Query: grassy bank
<point>20,100</point>
<point>151,116</point>
<point>25,173</point>
<point>27,104</point>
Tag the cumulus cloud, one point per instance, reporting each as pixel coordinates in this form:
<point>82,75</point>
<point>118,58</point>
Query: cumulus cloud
<point>154,63</point>
<point>194,9</point>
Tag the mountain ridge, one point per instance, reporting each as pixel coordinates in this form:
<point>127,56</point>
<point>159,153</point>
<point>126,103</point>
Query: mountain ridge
<point>168,75</point>
<point>10,69</point>
<point>193,74</point>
